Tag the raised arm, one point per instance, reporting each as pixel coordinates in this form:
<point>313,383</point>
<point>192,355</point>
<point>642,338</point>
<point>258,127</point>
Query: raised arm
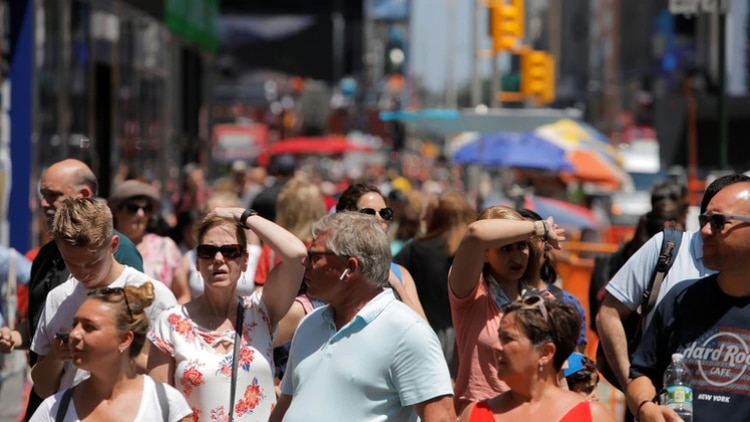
<point>48,370</point>
<point>492,233</point>
<point>284,280</point>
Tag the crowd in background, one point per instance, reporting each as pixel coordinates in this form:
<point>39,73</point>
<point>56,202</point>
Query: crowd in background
<point>456,311</point>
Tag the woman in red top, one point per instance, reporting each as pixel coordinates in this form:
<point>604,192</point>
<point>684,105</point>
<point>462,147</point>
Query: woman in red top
<point>536,336</point>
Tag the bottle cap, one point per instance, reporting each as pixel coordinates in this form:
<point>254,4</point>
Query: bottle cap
<point>676,357</point>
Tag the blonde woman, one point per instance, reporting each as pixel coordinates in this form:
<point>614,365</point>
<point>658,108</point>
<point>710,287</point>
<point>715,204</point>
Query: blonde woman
<point>495,258</point>
<point>109,330</point>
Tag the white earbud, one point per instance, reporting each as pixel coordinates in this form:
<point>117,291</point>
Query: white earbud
<point>343,274</point>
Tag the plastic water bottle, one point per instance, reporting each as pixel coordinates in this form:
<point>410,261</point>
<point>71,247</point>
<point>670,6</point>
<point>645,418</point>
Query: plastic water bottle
<point>679,395</point>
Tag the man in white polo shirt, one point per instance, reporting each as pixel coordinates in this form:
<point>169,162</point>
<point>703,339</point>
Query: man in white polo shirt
<point>365,355</point>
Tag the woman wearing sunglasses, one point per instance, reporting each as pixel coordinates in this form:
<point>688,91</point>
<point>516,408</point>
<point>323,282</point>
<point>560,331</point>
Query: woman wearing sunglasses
<point>369,200</point>
<point>134,206</point>
<point>217,348</point>
<point>494,260</point>
<point>534,339</point>
<point>109,330</point>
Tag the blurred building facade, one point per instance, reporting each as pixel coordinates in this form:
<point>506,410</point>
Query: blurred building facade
<point>642,58</point>
<point>119,84</point>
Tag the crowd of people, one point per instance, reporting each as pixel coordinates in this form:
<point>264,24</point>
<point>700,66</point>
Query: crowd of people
<point>295,303</point>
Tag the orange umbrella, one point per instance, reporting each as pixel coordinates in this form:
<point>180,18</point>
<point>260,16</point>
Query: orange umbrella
<point>589,152</point>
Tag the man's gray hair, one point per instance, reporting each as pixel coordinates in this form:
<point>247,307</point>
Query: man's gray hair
<point>360,236</point>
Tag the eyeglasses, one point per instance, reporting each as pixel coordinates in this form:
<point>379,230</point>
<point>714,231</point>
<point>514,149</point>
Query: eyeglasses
<point>311,253</point>
<point>106,291</point>
<point>132,208</point>
<point>385,213</point>
<point>227,251</point>
<point>718,221</point>
<point>534,302</point>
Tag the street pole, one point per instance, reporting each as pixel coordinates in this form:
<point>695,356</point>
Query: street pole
<point>494,80</point>
<point>476,91</point>
<point>722,103</point>
<point>450,72</point>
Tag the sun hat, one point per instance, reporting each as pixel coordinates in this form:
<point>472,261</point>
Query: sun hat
<point>133,189</point>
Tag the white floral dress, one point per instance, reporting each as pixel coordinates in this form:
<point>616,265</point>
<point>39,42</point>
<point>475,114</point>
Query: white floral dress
<point>203,374</point>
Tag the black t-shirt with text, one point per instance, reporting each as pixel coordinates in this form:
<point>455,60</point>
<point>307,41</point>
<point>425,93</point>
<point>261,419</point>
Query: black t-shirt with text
<point>712,330</point>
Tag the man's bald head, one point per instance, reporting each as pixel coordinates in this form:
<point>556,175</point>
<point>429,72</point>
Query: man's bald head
<point>76,173</point>
<point>66,179</point>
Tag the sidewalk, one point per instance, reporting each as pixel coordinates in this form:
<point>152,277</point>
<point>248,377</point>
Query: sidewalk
<point>11,397</point>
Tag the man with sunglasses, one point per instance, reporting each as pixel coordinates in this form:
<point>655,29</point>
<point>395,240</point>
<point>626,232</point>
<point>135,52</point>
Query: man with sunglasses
<point>69,178</point>
<point>624,293</point>
<point>84,233</point>
<point>706,320</point>
<point>365,355</point>
<point>680,324</point>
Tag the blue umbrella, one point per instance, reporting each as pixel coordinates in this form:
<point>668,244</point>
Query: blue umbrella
<point>513,149</point>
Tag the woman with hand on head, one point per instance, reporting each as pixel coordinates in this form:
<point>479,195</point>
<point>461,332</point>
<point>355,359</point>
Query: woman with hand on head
<point>496,257</point>
<point>368,199</point>
<point>217,348</point>
<point>109,330</point>
<point>188,282</point>
<point>535,338</point>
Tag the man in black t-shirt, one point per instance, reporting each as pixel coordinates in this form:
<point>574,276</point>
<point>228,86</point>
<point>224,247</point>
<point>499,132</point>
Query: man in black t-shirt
<point>707,320</point>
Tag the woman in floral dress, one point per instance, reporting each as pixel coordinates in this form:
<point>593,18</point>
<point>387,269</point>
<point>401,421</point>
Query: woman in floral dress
<point>194,343</point>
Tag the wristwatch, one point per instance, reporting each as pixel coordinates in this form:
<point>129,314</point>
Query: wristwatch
<point>245,214</point>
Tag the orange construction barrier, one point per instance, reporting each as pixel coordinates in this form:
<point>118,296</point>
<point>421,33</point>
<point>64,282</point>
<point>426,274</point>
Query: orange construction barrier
<point>574,265</point>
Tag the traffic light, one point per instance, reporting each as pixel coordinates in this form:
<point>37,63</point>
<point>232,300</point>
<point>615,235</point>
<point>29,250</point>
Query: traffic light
<point>394,53</point>
<point>538,76</point>
<point>506,24</point>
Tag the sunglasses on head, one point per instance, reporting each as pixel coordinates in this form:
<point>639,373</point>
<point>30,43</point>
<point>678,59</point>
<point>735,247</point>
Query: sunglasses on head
<point>133,207</point>
<point>385,213</point>
<point>227,251</point>
<point>536,302</point>
<point>106,291</point>
<point>717,221</point>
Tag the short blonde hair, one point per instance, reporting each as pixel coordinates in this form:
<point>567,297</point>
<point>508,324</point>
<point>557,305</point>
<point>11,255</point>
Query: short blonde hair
<point>83,222</point>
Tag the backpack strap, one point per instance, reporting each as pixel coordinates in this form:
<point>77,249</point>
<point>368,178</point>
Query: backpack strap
<point>669,248</point>
<point>161,394</point>
<point>62,409</point>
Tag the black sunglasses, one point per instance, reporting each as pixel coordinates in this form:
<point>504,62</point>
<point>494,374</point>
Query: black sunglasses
<point>385,213</point>
<point>717,221</point>
<point>132,208</point>
<point>227,251</point>
<point>106,291</point>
